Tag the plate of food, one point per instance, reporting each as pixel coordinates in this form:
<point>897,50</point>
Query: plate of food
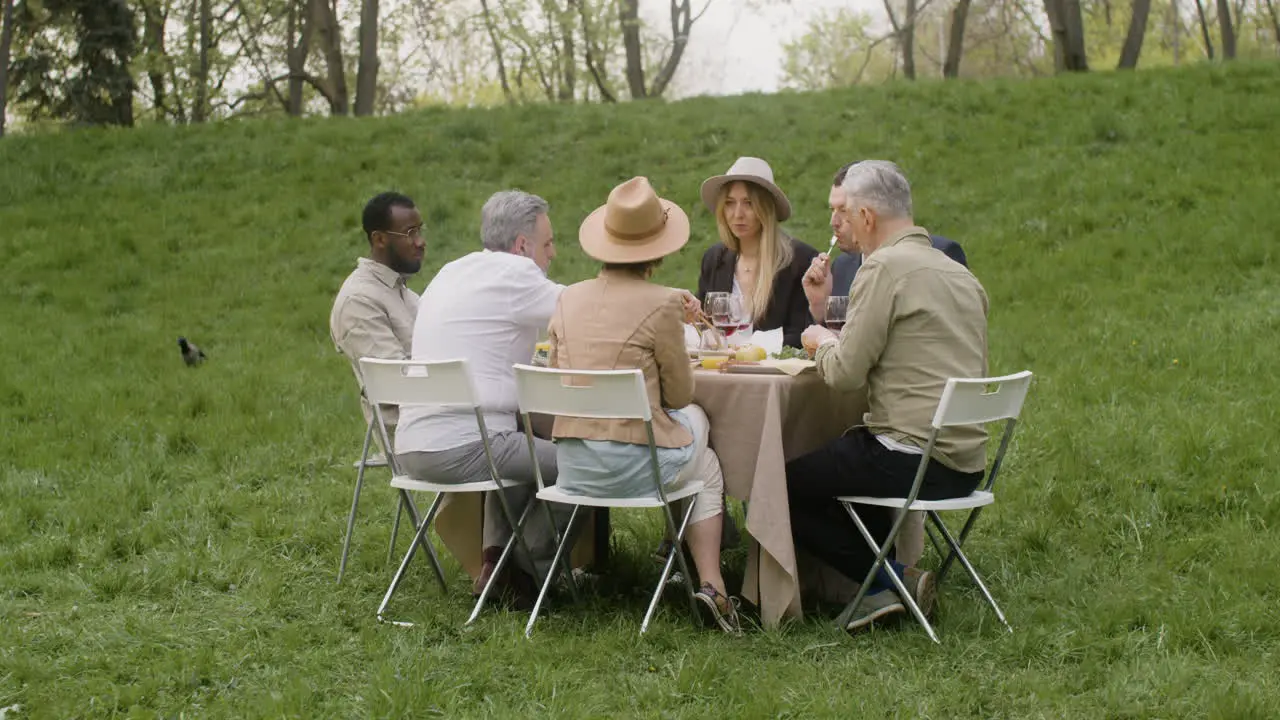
<point>768,366</point>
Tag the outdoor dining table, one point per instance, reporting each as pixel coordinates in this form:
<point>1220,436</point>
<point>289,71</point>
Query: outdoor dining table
<point>758,423</point>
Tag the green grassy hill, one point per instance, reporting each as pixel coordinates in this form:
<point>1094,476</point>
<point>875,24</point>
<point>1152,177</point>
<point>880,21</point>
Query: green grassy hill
<point>169,538</point>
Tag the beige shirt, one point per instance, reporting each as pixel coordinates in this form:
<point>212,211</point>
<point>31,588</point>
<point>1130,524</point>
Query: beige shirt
<point>620,320</point>
<point>916,318</point>
<point>373,316</point>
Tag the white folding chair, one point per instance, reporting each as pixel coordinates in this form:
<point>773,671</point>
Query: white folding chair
<point>612,395</point>
<point>441,384</point>
<point>964,402</point>
<point>365,462</point>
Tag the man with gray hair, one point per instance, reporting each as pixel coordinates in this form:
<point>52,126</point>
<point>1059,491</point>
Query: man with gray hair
<point>488,308</point>
<point>916,318</point>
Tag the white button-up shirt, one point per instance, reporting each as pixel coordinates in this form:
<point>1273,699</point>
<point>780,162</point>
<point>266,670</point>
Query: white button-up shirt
<point>487,308</point>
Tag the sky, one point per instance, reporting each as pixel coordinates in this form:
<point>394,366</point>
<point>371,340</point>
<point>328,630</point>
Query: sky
<point>736,49</point>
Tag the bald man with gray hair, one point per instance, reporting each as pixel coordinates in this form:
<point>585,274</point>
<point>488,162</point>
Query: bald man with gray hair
<point>916,318</point>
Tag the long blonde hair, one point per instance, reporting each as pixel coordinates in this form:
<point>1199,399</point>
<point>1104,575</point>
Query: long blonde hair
<point>775,247</point>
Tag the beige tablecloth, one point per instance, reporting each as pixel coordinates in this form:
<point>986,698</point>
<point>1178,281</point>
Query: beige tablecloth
<point>758,423</point>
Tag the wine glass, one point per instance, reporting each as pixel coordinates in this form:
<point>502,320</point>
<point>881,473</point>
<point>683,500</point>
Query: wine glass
<point>837,309</point>
<point>720,310</point>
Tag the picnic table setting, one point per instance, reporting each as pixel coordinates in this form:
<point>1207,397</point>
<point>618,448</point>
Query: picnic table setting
<point>529,426</point>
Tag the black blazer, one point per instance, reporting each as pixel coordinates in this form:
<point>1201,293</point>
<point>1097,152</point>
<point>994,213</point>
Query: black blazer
<point>845,266</point>
<point>788,309</point>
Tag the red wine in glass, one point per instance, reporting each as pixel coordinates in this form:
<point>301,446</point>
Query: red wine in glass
<point>835,326</point>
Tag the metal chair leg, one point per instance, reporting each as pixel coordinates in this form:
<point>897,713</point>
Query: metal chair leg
<point>937,544</point>
<point>973,574</point>
<point>893,576</point>
<point>676,549</point>
<point>964,534</point>
<point>565,566</point>
<point>551,572</point>
<point>426,541</point>
<point>355,503</point>
<point>419,540</point>
<point>395,529</point>
<point>880,562</point>
<point>502,561</point>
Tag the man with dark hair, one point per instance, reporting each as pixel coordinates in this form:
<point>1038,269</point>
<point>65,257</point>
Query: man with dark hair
<point>374,312</point>
<point>845,266</point>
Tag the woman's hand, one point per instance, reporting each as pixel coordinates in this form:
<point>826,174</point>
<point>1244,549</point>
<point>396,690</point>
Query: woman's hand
<point>691,305</point>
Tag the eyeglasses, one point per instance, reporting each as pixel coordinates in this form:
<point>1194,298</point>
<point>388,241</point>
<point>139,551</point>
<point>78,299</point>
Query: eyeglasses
<point>413,234</point>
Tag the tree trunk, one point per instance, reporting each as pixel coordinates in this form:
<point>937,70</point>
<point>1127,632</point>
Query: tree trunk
<point>1204,29</point>
<point>681,23</point>
<point>1228,32</point>
<point>497,52</point>
<point>569,61</point>
<point>299,31</point>
<point>909,42</point>
<point>1133,40</point>
<point>1175,21</point>
<point>955,43</point>
<point>367,74</point>
<point>335,86</point>
<point>1275,22</point>
<point>201,110</point>
<point>153,44</point>
<point>629,18</point>
<point>1076,59</point>
<point>593,55</point>
<point>6,45</point>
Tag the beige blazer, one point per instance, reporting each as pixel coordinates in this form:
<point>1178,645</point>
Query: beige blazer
<point>620,320</point>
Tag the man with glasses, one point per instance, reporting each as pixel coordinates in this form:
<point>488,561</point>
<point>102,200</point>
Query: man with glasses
<point>374,312</point>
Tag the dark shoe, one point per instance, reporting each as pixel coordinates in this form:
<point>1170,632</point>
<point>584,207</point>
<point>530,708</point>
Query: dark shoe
<point>660,555</point>
<point>523,589</point>
<point>723,609</point>
<point>491,555</point>
<point>923,587</point>
<point>873,608</point>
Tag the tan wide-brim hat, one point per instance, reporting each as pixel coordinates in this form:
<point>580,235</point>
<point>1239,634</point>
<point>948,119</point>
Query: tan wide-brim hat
<point>748,169</point>
<point>634,226</point>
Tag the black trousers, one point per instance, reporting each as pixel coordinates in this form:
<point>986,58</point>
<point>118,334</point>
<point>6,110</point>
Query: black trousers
<point>857,464</point>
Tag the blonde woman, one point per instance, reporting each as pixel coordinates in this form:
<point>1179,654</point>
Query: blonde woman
<point>755,259</point>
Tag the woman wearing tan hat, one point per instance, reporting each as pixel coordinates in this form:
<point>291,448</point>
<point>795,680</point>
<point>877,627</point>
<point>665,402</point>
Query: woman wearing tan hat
<point>755,259</point>
<point>622,320</point>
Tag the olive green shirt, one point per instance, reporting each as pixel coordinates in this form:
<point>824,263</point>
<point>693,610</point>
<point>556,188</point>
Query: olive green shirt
<point>916,318</point>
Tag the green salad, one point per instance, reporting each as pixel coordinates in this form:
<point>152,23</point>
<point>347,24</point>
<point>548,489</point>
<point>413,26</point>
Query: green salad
<point>787,353</point>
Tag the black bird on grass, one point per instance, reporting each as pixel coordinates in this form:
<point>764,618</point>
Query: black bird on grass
<point>191,355</point>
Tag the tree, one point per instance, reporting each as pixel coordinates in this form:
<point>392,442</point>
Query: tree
<point>1133,41</point>
<point>682,19</point>
<point>6,43</point>
<point>1228,32</point>
<point>1275,22</point>
<point>367,75</point>
<point>93,84</point>
<point>1204,29</point>
<point>837,49</point>
<point>955,39</point>
<point>1066,23</point>
<point>200,111</point>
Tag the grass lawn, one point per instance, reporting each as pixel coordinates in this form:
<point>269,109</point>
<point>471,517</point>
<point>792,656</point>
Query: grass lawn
<point>169,538</point>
